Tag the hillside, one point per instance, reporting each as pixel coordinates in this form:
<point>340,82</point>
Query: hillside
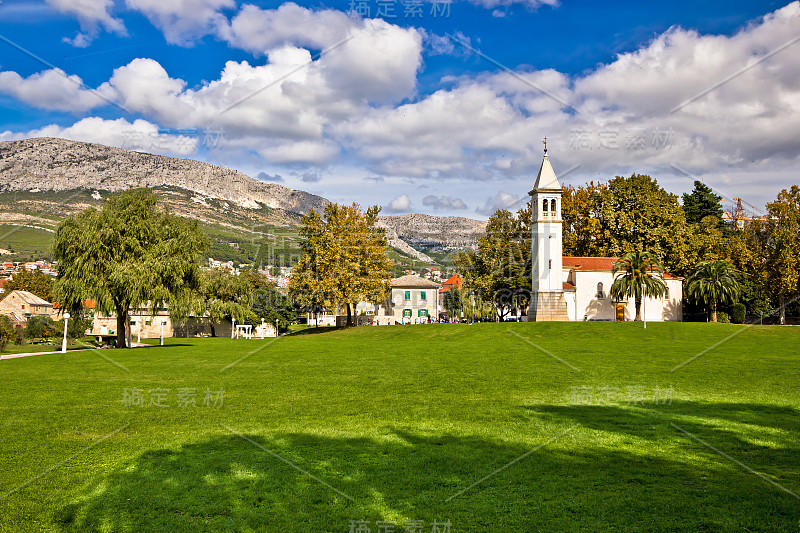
<point>43,180</point>
<point>436,236</point>
<point>47,164</point>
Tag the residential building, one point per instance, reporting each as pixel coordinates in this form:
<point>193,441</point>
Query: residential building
<point>413,300</point>
<point>21,305</point>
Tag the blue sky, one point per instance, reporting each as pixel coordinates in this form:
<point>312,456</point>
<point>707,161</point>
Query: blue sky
<point>438,114</point>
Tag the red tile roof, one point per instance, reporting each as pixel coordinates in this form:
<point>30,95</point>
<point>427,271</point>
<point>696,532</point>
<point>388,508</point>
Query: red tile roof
<point>568,286</point>
<point>454,281</point>
<point>589,263</point>
<point>597,263</point>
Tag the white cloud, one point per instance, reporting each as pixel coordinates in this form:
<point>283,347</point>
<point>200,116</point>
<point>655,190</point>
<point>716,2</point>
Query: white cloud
<point>139,135</point>
<point>400,204</point>
<point>50,89</point>
<point>92,15</point>
<point>183,21</point>
<point>260,30</point>
<point>357,105</point>
<point>443,203</point>
<point>501,200</point>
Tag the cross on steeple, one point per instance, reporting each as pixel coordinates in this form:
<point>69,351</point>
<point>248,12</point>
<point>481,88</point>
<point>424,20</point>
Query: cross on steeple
<point>545,145</point>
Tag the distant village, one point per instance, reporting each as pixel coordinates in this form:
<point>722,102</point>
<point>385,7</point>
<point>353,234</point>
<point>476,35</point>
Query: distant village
<point>410,291</point>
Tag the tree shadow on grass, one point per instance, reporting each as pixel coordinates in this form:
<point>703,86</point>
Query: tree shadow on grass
<point>228,483</point>
<point>315,331</point>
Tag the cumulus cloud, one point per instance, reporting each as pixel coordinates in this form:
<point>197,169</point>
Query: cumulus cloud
<point>443,203</point>
<point>184,21</point>
<point>661,105</point>
<point>400,204</point>
<point>51,89</point>
<point>138,135</point>
<point>501,200</point>
<point>92,15</point>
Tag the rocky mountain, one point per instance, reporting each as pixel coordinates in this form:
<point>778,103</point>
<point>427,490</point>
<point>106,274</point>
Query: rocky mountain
<point>43,180</point>
<point>47,164</point>
<point>444,233</point>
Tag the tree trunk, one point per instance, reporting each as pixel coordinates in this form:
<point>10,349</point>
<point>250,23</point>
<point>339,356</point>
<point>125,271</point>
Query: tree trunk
<point>782,311</point>
<point>349,315</point>
<point>638,310</point>
<point>713,312</point>
<point>213,331</point>
<point>122,319</point>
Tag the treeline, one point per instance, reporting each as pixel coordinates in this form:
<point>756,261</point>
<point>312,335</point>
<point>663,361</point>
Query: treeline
<point>636,214</point>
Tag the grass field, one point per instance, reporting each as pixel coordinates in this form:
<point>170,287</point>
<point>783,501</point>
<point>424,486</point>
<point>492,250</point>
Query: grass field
<point>491,427</point>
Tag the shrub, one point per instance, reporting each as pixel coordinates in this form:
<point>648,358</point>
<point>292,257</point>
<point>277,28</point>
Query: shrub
<point>738,312</point>
<point>40,327</point>
<point>723,318</point>
<point>6,332</point>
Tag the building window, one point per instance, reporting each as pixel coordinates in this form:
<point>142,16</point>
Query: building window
<point>423,296</point>
<point>544,205</point>
<point>407,312</point>
<point>422,312</point>
<point>407,295</point>
<point>600,294</point>
<point>553,206</point>
<point>666,293</point>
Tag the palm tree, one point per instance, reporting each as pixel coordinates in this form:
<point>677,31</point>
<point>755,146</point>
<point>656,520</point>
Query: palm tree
<point>638,274</point>
<point>713,282</point>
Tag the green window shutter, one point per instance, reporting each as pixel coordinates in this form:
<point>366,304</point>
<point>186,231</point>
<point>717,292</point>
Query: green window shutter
<point>408,295</point>
<point>423,295</point>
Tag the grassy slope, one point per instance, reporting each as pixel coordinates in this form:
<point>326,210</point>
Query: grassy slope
<point>401,419</point>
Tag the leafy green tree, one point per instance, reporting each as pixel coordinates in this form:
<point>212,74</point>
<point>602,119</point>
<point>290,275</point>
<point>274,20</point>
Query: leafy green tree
<point>256,279</point>
<point>272,306</point>
<point>638,274</point>
<point>702,203</point>
<point>582,229</point>
<point>220,295</point>
<point>40,327</point>
<point>6,332</point>
<point>33,281</point>
<point>344,259</point>
<point>713,283</point>
<point>637,214</point>
<point>129,254</point>
<point>500,270</point>
<point>454,302</point>
<point>769,251</point>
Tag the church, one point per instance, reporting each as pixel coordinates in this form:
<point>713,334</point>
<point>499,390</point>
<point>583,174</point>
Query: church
<point>579,288</point>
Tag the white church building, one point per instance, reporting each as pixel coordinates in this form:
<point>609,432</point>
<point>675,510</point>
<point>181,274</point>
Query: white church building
<point>578,288</point>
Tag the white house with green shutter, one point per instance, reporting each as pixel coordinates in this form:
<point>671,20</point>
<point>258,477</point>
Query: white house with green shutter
<point>413,301</point>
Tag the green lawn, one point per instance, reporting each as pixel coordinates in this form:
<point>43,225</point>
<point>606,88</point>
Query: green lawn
<point>492,427</point>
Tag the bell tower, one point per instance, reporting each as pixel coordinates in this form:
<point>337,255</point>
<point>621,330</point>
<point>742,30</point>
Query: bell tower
<point>547,291</point>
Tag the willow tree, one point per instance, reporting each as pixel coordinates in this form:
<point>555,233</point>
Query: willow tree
<point>713,283</point>
<point>344,259</point>
<point>638,274</point>
<point>222,294</point>
<point>128,254</point>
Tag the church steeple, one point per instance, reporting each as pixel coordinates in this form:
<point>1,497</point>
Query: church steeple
<point>547,298</point>
<point>546,179</point>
